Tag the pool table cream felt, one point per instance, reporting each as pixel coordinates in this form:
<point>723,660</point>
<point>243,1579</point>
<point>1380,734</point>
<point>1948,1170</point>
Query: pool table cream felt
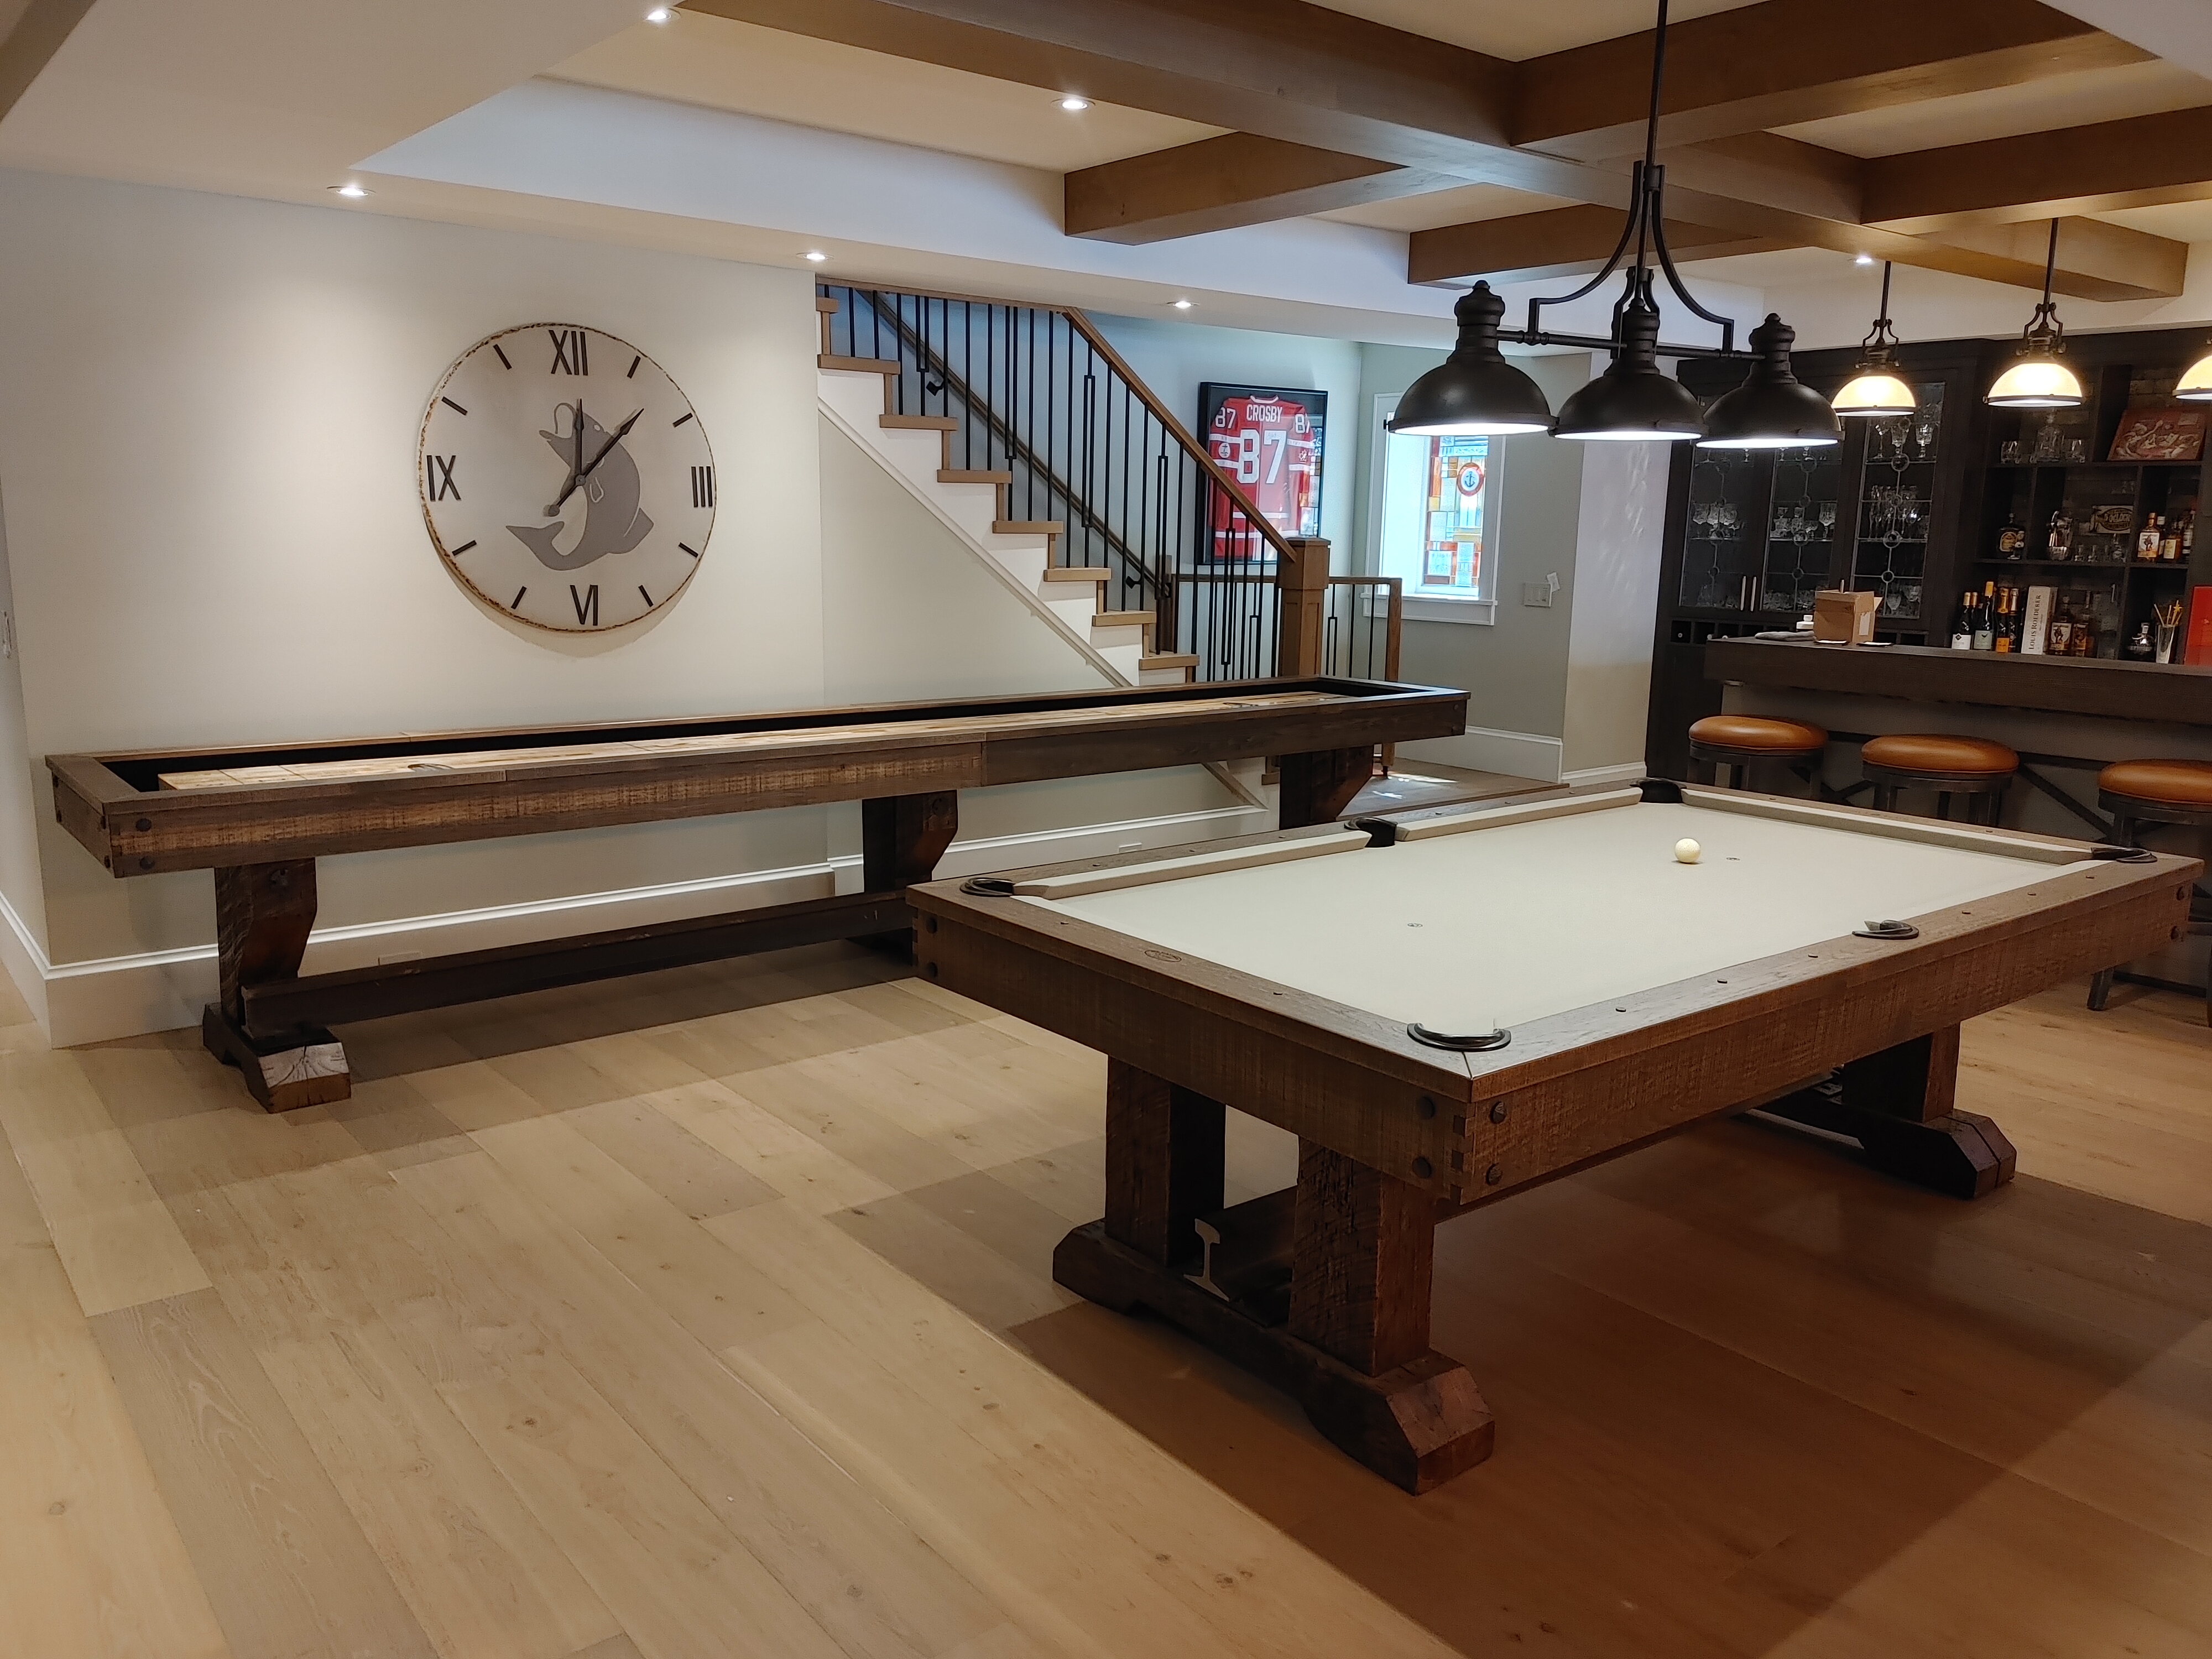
<point>1550,907</point>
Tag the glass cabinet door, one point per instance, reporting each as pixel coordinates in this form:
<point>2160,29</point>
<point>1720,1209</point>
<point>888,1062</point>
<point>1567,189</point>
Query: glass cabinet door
<point>1724,544</point>
<point>1897,505</point>
<point>1801,530</point>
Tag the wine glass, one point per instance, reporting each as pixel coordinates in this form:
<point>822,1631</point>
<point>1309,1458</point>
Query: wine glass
<point>1827,521</point>
<point>1924,433</point>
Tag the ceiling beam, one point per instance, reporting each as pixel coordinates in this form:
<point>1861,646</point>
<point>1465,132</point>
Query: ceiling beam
<point>2145,161</point>
<point>31,45</point>
<point>1782,61</point>
<point>1570,241</point>
<point>1218,184</point>
<point>2096,261</point>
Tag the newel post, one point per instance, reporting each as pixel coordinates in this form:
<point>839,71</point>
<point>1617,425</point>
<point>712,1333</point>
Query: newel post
<point>1302,578</point>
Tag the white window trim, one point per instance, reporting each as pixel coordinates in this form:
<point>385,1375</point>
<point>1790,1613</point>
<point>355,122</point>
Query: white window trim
<point>1482,613</point>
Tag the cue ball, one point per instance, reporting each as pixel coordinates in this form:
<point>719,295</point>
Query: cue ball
<point>1687,851</point>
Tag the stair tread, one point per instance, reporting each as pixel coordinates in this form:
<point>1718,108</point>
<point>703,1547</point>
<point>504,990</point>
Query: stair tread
<point>972,475</point>
<point>1075,572</point>
<point>1171,659</point>
<point>824,304</point>
<point>920,422</point>
<point>858,364</point>
<point>1029,526</point>
<point>1122,619</point>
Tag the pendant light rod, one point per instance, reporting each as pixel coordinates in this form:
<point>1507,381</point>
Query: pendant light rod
<point>1882,337</point>
<point>1646,227</point>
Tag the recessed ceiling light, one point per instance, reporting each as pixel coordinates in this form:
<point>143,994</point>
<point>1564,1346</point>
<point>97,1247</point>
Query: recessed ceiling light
<point>1182,305</point>
<point>659,15</point>
<point>815,256</point>
<point>1864,259</point>
<point>350,191</point>
<point>1073,105</point>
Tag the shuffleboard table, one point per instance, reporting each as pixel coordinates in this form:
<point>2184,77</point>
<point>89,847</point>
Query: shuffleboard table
<point>1449,1007</point>
<point>260,817</point>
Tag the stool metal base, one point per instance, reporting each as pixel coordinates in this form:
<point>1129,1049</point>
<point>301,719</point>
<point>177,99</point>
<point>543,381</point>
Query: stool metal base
<point>1804,762</point>
<point>1988,787</point>
<point>2130,813</point>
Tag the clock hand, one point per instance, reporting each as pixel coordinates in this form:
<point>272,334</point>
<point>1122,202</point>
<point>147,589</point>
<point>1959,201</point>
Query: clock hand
<point>577,447</point>
<point>605,450</point>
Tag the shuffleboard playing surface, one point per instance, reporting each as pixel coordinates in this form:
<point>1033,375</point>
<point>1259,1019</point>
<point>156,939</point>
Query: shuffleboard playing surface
<point>1548,911</point>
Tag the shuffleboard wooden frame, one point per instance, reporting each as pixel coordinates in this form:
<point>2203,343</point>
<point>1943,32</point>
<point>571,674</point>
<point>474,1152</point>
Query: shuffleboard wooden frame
<point>260,817</point>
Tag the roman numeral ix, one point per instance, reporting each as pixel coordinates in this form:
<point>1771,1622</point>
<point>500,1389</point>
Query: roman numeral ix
<point>702,486</point>
<point>586,604</point>
<point>567,351</point>
<point>438,477</point>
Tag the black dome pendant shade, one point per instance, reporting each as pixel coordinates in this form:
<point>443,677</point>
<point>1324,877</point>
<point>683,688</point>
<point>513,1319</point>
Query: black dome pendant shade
<point>1475,390</point>
<point>1772,409</point>
<point>1633,399</point>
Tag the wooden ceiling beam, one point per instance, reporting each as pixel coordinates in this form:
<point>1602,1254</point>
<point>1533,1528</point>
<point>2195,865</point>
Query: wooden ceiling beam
<point>40,30</point>
<point>1218,184</point>
<point>1782,61</point>
<point>2096,261</point>
<point>2145,161</point>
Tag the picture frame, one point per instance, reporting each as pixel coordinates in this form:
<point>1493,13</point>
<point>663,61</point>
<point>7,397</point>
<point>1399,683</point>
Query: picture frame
<point>1272,441</point>
<point>2158,432</point>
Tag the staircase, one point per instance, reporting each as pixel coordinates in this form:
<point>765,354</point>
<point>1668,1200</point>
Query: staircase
<point>858,393</point>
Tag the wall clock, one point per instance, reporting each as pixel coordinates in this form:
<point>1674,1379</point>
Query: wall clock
<point>565,478</point>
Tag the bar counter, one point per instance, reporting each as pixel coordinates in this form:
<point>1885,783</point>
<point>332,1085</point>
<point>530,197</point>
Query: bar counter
<point>2098,687</point>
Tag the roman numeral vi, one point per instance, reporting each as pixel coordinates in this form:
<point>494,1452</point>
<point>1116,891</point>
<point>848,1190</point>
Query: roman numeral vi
<point>586,604</point>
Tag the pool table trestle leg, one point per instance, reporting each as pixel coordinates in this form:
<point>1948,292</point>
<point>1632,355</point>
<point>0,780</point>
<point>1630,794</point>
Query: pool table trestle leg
<point>264,913</point>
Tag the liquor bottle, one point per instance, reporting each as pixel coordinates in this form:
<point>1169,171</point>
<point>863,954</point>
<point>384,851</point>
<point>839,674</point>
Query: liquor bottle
<point>2189,537</point>
<point>2140,649</point>
<point>1986,618</point>
<point>2059,543</point>
<point>2001,632</point>
<point>2062,628</point>
<point>2169,544</point>
<point>2012,538</point>
<point>2019,619</point>
<point>2147,538</point>
<point>1962,625</point>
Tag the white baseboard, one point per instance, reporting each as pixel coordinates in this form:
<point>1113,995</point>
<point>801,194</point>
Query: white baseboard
<point>1605,777</point>
<point>96,1001</point>
<point>1481,749</point>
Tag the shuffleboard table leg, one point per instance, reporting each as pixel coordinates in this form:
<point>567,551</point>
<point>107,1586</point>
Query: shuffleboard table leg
<point>1900,1104</point>
<point>1315,788</point>
<point>1354,1267</point>
<point>901,838</point>
<point>262,915</point>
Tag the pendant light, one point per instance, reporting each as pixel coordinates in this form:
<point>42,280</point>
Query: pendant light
<point>1874,389</point>
<point>1474,390</point>
<point>2038,377</point>
<point>1772,409</point>
<point>1632,401</point>
<point>2195,385</point>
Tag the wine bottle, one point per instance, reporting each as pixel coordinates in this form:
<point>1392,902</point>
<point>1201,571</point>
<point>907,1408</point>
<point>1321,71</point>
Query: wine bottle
<point>1962,625</point>
<point>1986,618</point>
<point>2001,634</point>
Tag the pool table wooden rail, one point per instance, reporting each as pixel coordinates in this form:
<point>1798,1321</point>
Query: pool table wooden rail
<point>113,804</point>
<point>1571,1085</point>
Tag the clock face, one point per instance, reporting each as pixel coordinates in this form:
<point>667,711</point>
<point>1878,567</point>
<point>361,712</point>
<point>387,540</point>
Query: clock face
<point>565,478</point>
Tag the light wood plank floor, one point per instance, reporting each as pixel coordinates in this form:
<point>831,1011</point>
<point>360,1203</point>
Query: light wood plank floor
<point>712,1314</point>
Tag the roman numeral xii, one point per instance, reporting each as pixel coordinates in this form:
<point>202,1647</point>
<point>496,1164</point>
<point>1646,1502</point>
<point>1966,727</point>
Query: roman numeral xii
<point>568,356</point>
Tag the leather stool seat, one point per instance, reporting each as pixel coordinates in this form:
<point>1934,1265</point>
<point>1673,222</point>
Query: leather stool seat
<point>2157,783</point>
<point>1940,756</point>
<point>1749,734</point>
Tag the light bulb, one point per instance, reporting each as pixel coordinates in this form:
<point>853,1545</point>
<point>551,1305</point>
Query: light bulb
<point>815,256</point>
<point>1073,105</point>
<point>659,15</point>
<point>1182,305</point>
<point>350,191</point>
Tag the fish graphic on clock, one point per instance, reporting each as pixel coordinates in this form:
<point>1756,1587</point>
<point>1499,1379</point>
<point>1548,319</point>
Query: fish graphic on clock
<point>604,487</point>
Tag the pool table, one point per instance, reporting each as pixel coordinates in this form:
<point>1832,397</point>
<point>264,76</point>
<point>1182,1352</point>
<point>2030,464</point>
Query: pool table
<point>1447,1007</point>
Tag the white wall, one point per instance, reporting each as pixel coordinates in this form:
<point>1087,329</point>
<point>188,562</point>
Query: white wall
<point>207,418</point>
<point>1621,524</point>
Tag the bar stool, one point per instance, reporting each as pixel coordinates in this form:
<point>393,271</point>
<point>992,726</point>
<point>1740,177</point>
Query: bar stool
<point>1971,767</point>
<point>2136,792</point>
<point>1740,742</point>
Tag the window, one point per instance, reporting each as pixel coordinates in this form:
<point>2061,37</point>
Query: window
<point>1438,521</point>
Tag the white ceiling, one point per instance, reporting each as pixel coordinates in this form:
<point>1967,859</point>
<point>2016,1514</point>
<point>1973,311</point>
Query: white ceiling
<point>2179,30</point>
<point>1519,28</point>
<point>729,65</point>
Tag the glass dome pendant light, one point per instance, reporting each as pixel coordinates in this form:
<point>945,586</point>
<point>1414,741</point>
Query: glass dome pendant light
<point>2195,385</point>
<point>2038,377</point>
<point>1875,389</point>
<point>1476,390</point>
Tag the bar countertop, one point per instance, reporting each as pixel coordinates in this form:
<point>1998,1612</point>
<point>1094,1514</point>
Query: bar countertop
<point>2164,694</point>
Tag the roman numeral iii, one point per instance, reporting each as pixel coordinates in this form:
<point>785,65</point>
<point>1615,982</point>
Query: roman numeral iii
<point>567,351</point>
<point>702,486</point>
<point>586,604</point>
<point>438,477</point>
